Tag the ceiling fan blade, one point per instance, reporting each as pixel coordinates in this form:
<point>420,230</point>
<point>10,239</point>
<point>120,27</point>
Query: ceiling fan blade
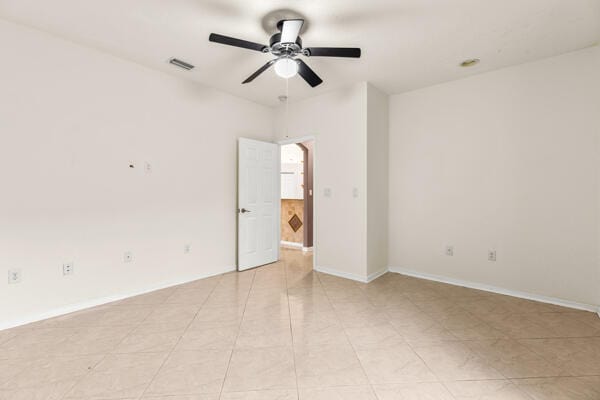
<point>308,74</point>
<point>290,30</point>
<point>351,52</point>
<point>259,71</point>
<point>215,37</point>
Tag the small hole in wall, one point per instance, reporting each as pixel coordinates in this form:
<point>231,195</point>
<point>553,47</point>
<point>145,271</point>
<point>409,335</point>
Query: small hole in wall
<point>131,166</point>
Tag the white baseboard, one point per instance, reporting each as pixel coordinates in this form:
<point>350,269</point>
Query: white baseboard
<point>351,276</point>
<point>376,275</point>
<point>100,301</point>
<point>291,244</point>
<point>307,249</point>
<point>494,289</point>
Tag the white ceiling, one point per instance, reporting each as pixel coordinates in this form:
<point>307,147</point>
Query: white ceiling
<point>407,44</point>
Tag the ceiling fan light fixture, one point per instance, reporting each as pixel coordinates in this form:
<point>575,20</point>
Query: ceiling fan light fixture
<point>286,67</point>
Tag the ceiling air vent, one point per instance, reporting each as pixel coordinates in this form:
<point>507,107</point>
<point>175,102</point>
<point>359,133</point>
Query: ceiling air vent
<point>181,64</point>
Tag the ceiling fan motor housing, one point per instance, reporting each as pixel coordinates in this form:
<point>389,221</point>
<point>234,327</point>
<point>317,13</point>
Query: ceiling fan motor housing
<point>277,48</point>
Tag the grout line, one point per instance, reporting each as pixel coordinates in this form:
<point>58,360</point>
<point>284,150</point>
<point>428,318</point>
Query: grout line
<point>90,370</point>
<point>348,338</point>
<point>238,333</point>
<point>180,337</point>
<point>287,296</point>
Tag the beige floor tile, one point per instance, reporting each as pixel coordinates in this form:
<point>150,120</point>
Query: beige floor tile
<point>338,393</point>
<point>566,324</point>
<point>222,315</point>
<point>208,335</point>
<point>359,314</point>
<point>8,334</point>
<point>271,311</point>
<point>50,371</point>
<point>486,306</point>
<point>413,391</point>
<point>440,307</point>
<point>172,314</point>
<point>374,336</point>
<point>455,361</point>
<point>560,388</point>
<point>261,298</point>
<point>88,317</point>
<point>188,296</point>
<point>397,364</point>
<point>119,376</point>
<point>49,391</point>
<point>36,343</point>
<point>328,365</point>
<point>422,330</point>
<point>486,390</point>
<point>514,360</point>
<point>519,325</point>
<point>304,309</point>
<point>467,326</point>
<point>261,369</point>
<point>576,356</point>
<point>264,333</point>
<point>11,368</point>
<point>212,396</point>
<point>94,340</point>
<point>191,372</point>
<point>123,315</point>
<point>318,331</point>
<point>287,394</point>
<point>150,338</point>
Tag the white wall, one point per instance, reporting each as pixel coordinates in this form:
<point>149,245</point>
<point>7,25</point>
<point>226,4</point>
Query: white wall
<point>338,121</point>
<point>71,121</point>
<point>506,160</point>
<point>377,180</point>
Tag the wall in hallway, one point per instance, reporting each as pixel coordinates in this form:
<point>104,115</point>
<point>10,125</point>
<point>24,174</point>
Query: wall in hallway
<point>289,208</point>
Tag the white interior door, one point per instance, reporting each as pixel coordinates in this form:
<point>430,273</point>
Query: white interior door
<point>258,203</point>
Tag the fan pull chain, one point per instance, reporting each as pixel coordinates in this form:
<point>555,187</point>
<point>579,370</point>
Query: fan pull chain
<point>287,106</point>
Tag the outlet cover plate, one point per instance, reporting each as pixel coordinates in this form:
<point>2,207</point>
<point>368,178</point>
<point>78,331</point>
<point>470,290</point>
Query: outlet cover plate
<point>68,268</point>
<point>14,276</point>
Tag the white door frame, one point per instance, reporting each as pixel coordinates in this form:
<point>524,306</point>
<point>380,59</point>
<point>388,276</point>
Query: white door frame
<point>315,202</point>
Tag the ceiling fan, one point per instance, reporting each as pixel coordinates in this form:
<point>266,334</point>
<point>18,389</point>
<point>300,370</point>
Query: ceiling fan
<point>286,46</point>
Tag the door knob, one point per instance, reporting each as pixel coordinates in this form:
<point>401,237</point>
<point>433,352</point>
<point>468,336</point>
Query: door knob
<point>244,211</point>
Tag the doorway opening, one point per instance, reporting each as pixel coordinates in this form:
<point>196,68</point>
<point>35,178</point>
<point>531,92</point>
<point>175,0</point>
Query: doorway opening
<point>297,190</point>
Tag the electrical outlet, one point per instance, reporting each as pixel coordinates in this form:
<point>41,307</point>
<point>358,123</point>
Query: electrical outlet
<point>327,192</point>
<point>187,248</point>
<point>148,168</point>
<point>449,251</point>
<point>128,257</point>
<point>68,268</point>
<point>14,276</point>
<point>491,255</point>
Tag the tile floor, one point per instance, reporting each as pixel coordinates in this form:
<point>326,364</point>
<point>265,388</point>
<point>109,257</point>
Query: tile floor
<point>284,332</point>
